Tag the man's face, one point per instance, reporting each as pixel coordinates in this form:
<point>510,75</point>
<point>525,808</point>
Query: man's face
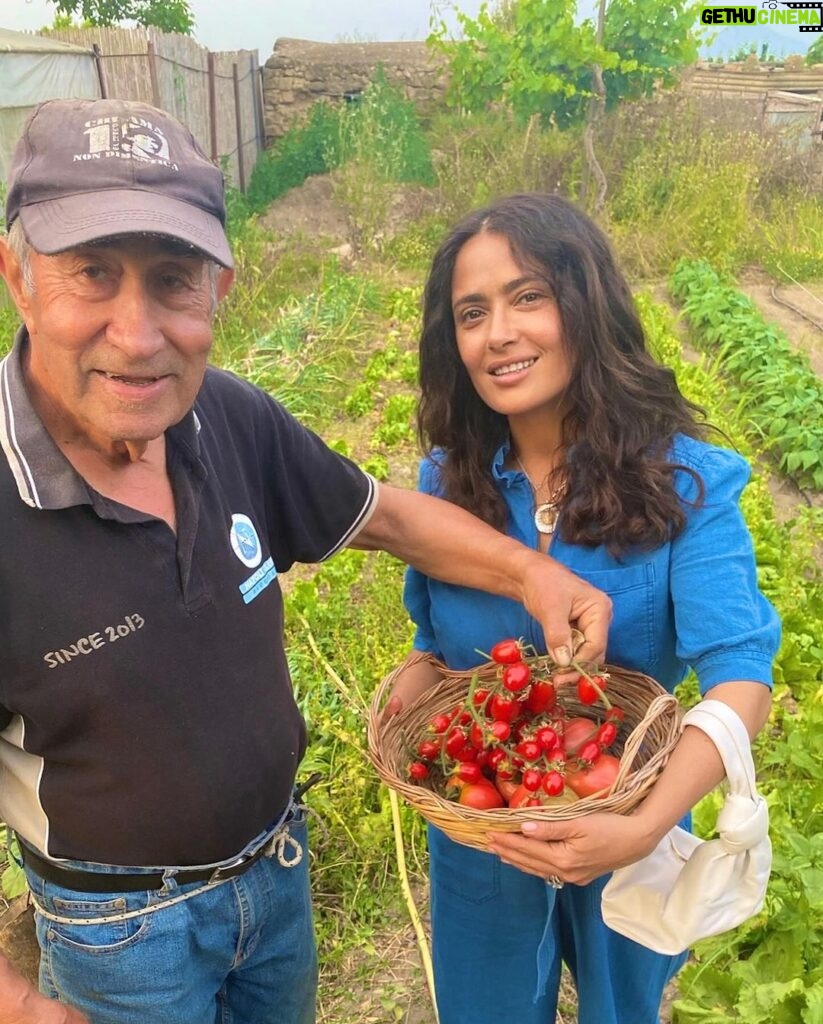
<point>119,334</point>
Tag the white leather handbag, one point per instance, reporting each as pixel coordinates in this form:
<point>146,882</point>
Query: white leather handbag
<point>689,888</point>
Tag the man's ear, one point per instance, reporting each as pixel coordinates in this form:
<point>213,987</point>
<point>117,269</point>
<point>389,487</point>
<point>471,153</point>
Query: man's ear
<point>12,274</point>
<point>225,279</point>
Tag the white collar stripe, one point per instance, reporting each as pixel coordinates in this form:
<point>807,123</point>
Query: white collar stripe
<point>8,439</point>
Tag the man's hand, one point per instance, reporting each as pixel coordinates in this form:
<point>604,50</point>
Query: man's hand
<point>557,599</point>
<point>21,1003</point>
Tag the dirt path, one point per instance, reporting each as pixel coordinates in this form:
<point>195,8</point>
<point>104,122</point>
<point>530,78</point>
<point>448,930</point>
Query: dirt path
<point>797,309</point>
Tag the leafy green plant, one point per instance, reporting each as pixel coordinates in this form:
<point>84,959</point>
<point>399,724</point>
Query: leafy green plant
<point>396,423</point>
<point>537,59</point>
<point>310,147</point>
<point>769,969</point>
<point>774,385</point>
<point>380,144</point>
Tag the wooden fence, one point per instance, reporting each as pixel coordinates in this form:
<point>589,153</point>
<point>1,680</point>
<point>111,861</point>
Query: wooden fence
<point>218,95</point>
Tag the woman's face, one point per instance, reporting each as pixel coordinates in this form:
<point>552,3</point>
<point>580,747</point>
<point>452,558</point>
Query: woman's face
<point>509,331</point>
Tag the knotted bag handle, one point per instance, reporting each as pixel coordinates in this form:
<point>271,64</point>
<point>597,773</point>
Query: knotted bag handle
<point>743,821</point>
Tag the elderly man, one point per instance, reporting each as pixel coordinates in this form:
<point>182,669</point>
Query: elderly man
<point>149,739</point>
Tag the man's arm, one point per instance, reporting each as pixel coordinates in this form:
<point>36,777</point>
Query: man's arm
<point>446,542</point>
<point>21,1003</point>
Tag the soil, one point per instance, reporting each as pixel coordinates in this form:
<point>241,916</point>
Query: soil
<point>396,991</point>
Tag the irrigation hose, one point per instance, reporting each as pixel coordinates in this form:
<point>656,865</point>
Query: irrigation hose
<point>422,944</point>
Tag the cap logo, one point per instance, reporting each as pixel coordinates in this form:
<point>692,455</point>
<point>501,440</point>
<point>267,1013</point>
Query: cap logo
<point>125,138</point>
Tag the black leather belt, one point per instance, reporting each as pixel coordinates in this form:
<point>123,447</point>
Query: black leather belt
<point>104,881</point>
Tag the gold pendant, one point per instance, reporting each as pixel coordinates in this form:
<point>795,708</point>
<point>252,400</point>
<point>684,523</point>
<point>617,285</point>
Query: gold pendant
<point>545,517</point>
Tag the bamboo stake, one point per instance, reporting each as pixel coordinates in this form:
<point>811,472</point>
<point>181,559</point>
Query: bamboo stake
<point>422,944</point>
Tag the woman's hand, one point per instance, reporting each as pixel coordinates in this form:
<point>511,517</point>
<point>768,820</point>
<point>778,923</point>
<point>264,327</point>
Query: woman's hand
<point>576,851</point>
<point>415,676</point>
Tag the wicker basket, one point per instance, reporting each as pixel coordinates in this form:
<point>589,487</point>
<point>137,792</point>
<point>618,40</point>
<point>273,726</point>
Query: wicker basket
<point>649,731</point>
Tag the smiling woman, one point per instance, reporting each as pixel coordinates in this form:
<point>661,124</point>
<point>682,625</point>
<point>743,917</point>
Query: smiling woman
<point>543,412</point>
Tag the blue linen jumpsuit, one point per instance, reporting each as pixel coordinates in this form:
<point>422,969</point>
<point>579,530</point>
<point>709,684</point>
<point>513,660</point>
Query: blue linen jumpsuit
<point>499,934</point>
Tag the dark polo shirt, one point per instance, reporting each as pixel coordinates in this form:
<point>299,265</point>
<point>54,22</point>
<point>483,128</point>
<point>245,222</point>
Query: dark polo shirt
<point>146,710</point>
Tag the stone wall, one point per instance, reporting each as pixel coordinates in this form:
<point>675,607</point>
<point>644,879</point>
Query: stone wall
<point>299,73</point>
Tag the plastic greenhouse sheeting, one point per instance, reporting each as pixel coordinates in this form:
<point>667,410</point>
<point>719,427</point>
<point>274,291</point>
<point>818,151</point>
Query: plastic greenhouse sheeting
<point>32,69</point>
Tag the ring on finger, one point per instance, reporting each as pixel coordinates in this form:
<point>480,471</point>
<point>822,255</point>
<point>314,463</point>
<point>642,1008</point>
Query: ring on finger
<point>554,881</point>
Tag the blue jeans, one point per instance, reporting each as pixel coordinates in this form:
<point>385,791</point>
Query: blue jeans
<point>499,937</point>
<point>241,952</point>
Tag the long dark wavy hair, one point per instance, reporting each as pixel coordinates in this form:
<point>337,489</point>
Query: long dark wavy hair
<point>623,406</point>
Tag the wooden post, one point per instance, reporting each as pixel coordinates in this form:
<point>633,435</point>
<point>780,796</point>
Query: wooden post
<point>155,86</point>
<point>257,89</point>
<point>241,170</point>
<point>215,154</point>
<point>101,72</point>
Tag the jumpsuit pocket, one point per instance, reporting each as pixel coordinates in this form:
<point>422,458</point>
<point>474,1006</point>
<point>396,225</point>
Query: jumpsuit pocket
<point>635,623</point>
<point>468,874</point>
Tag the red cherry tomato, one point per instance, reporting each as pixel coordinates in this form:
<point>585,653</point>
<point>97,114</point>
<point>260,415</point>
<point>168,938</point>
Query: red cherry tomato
<point>469,772</point>
<point>606,734</point>
<point>586,693</point>
<point>418,770</point>
<point>501,731</point>
<point>440,723</point>
<point>455,741</point>
<point>504,708</point>
<point>506,652</point>
<point>529,750</point>
<point>516,677</point>
<point>547,738</point>
<point>553,783</point>
<point>589,752</point>
<point>542,696</point>
<point>428,749</point>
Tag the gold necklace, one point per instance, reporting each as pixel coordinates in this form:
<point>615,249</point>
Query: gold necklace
<point>546,513</point>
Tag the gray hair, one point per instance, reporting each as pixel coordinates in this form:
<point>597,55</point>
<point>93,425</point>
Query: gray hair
<point>22,250</point>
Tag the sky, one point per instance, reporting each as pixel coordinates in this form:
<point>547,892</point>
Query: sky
<point>256,24</point>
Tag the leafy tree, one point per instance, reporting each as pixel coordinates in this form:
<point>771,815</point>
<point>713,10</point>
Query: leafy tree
<point>537,57</point>
<point>814,54</point>
<point>167,15</point>
<point>657,37</point>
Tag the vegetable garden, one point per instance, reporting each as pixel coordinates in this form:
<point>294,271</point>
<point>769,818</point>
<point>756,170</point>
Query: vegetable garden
<point>693,200</point>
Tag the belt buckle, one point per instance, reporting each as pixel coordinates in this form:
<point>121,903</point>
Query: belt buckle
<point>227,871</point>
<point>237,867</point>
